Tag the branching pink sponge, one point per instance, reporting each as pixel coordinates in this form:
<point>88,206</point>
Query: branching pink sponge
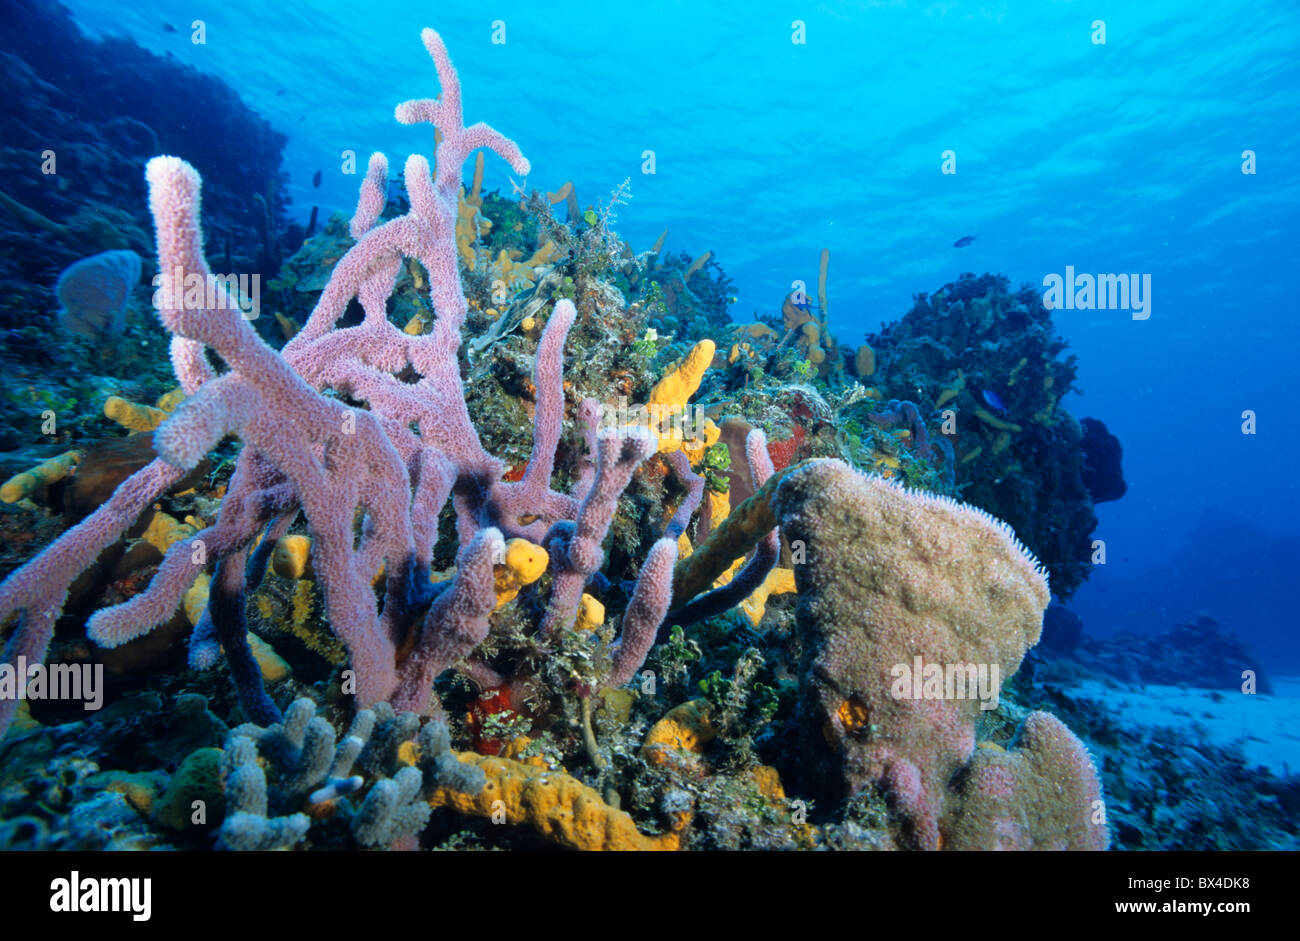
<point>391,461</point>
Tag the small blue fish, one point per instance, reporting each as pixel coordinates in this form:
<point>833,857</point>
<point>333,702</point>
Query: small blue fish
<point>964,241</point>
<point>994,401</point>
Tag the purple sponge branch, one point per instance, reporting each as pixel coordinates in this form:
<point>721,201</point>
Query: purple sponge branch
<point>906,413</point>
<point>654,586</point>
<point>204,649</point>
<point>645,612</point>
<point>575,548</point>
<point>589,411</point>
<point>226,612</point>
<point>362,362</point>
<point>458,141</point>
<point>326,452</point>
<point>457,623</point>
<point>694,494</point>
<point>184,561</point>
<point>549,413</point>
<point>373,197</point>
<point>527,508</point>
<point>391,464</point>
<point>39,588</point>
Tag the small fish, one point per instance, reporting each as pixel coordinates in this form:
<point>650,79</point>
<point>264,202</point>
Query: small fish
<point>168,28</point>
<point>315,180</point>
<point>994,401</point>
<point>279,93</point>
<point>964,241</point>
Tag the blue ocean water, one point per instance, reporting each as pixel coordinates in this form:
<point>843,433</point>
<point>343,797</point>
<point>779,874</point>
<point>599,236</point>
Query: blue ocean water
<point>1118,157</point>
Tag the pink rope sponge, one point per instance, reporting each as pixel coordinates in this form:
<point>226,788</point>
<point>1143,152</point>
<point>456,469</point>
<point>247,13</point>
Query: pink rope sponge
<point>394,463</point>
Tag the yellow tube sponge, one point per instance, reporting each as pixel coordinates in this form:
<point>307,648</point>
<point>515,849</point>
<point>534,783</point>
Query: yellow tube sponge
<point>659,242</point>
<point>525,563</point>
<point>291,557</point>
<point>288,326</point>
<point>821,282</point>
<point>865,361</point>
<point>767,780</point>
<point>135,417</point>
<point>779,581</point>
<point>683,379</point>
<point>169,400</point>
<point>993,421</point>
<point>42,475</point>
<point>163,530</point>
<point>671,393</point>
<point>719,505</point>
<point>274,667</point>
<point>695,448</point>
<point>471,223</point>
<point>591,614</point>
<point>558,806</point>
<point>947,395</point>
<point>196,598</point>
<point>756,331</point>
<point>696,265</point>
<point>131,416</point>
<point>543,256</point>
<point>685,728</point>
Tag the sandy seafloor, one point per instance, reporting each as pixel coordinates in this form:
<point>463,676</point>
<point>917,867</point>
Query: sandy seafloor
<point>1266,727</point>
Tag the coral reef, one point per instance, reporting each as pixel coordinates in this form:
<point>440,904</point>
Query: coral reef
<point>54,79</point>
<point>1199,653</point>
<point>990,359</point>
<point>507,611</point>
<point>376,463</point>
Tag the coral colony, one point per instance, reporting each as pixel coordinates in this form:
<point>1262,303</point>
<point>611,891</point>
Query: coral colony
<point>364,433</point>
<point>306,453</point>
